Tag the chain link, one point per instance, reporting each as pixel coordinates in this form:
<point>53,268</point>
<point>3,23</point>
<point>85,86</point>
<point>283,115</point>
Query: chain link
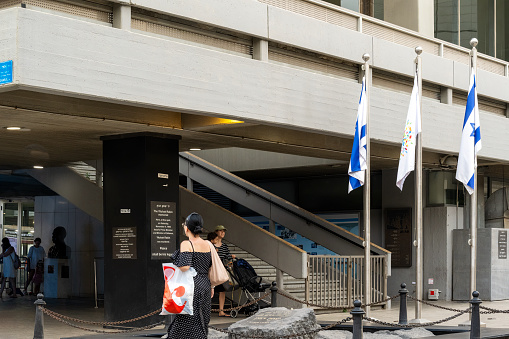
<point>302,334</point>
<point>241,306</point>
<point>431,323</point>
<point>331,307</point>
<point>135,329</point>
<point>101,323</point>
<point>492,310</point>
<point>433,305</point>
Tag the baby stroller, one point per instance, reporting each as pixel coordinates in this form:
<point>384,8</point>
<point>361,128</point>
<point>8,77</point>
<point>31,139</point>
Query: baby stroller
<point>250,284</point>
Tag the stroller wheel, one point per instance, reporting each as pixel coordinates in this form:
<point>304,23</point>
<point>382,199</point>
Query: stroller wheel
<point>234,313</point>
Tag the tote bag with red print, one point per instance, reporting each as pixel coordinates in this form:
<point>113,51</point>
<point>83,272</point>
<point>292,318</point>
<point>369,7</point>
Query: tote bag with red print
<point>178,290</point>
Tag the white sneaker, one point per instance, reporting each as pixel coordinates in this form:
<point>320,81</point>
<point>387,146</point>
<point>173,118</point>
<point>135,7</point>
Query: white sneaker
<point>165,336</point>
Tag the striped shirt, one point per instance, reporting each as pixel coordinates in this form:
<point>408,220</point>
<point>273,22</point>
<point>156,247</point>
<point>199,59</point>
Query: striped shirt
<point>223,251</point>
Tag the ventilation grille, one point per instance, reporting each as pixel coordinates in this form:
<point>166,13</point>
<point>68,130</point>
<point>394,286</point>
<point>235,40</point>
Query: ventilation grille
<point>485,104</point>
<point>202,38</point>
<point>405,84</point>
<point>401,38</point>
<point>10,3</point>
<point>85,10</point>
<point>456,55</point>
<point>315,11</point>
<point>312,61</point>
<point>491,66</point>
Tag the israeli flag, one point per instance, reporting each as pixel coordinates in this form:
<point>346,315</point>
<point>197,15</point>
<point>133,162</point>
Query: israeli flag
<point>357,167</point>
<point>470,139</point>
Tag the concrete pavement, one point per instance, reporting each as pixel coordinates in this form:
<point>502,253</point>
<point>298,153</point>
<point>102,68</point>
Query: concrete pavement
<point>17,316</point>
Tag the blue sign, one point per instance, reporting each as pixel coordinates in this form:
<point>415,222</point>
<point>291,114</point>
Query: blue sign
<point>6,72</point>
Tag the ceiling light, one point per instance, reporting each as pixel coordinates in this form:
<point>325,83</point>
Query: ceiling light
<point>38,167</point>
<point>195,149</point>
<point>16,128</point>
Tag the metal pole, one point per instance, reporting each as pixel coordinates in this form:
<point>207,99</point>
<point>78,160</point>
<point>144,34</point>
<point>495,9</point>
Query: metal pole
<point>475,321</point>
<point>357,314</point>
<point>273,294</point>
<point>418,194</point>
<point>403,319</point>
<point>367,195</point>
<point>95,281</point>
<point>473,199</point>
<point>39,318</point>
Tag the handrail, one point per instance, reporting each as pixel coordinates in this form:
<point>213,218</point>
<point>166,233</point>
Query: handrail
<point>276,201</point>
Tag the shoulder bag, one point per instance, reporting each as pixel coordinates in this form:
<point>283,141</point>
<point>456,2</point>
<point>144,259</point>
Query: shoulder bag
<point>217,272</point>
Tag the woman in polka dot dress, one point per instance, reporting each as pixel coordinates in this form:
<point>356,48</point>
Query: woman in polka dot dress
<point>194,252</point>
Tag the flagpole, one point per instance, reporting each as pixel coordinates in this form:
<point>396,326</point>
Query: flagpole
<point>418,194</point>
<point>473,199</point>
<point>367,194</point>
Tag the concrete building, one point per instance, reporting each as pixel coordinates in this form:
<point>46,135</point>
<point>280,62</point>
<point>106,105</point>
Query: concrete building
<point>265,89</point>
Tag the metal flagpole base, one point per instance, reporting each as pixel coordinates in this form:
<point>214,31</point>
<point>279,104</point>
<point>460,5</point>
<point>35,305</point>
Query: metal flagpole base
<point>419,321</point>
<point>467,323</point>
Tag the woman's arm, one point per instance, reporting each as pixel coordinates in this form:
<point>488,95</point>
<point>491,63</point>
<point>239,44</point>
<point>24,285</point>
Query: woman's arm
<point>8,252</point>
<point>185,246</point>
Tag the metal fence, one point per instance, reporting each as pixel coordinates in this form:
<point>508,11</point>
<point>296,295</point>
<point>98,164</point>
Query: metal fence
<point>336,281</point>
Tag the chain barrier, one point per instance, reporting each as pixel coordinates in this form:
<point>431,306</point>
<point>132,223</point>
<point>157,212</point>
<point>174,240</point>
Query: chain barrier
<point>302,334</point>
<point>431,323</point>
<point>433,305</point>
<point>331,307</point>
<point>492,310</point>
<point>241,306</point>
<point>135,329</point>
<point>101,323</point>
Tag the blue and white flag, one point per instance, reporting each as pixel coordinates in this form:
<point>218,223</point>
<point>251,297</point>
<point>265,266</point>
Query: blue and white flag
<point>357,167</point>
<point>470,139</point>
<point>412,129</point>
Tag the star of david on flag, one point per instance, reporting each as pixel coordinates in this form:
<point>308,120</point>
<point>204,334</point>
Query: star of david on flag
<point>357,167</point>
<point>412,129</point>
<point>470,139</point>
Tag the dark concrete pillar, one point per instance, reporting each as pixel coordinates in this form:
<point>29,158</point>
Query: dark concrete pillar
<point>141,207</point>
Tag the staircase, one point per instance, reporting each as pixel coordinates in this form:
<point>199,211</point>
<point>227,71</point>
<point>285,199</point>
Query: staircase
<point>297,287</point>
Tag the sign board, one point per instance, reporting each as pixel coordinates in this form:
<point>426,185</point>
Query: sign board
<point>398,236</point>
<point>502,244</point>
<point>163,221</point>
<point>124,243</point>
<point>6,72</point>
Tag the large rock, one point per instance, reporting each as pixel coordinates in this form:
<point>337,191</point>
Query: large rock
<point>277,321</point>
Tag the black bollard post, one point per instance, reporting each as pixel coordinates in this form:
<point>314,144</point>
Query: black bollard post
<point>475,321</point>
<point>39,319</point>
<point>273,295</point>
<point>357,314</point>
<point>403,319</point>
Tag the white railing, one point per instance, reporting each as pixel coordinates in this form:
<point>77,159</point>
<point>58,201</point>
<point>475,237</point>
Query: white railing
<point>336,281</point>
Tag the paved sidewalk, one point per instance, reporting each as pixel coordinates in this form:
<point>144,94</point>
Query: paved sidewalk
<point>17,316</point>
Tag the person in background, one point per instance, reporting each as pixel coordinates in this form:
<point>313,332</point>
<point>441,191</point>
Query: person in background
<point>224,254</point>
<point>9,270</point>
<point>35,254</point>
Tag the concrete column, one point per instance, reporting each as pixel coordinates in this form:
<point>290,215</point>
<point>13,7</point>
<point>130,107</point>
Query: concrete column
<point>260,49</point>
<point>446,95</point>
<point>279,279</point>
<point>141,221</point>
<point>122,16</point>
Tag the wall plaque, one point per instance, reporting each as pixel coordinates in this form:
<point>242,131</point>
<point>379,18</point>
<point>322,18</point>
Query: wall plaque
<point>398,236</point>
<point>502,244</point>
<point>163,222</point>
<point>124,243</point>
